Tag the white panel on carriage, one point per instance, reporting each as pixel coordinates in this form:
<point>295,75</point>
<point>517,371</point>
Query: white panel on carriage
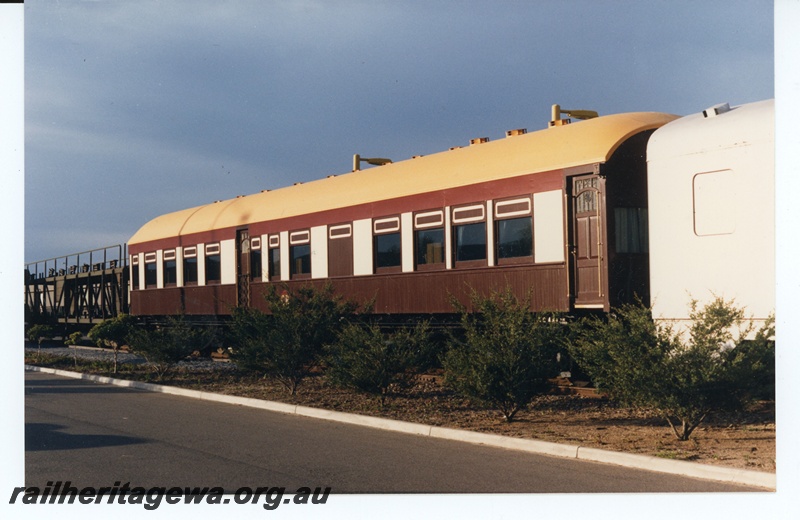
<point>160,269</point>
<point>727,160</point>
<point>265,257</point>
<point>548,226</point>
<point>362,247</point>
<point>319,252</point>
<point>228,261</point>
<point>448,240</point>
<point>179,266</point>
<point>407,241</point>
<point>285,267</point>
<point>137,262</point>
<point>490,234</point>
<point>201,265</point>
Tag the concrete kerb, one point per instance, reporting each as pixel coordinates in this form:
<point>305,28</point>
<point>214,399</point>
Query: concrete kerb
<point>645,462</point>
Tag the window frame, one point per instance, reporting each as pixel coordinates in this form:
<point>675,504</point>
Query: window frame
<point>628,220</point>
<point>300,241</point>
<point>381,229</point>
<point>273,263</point>
<point>151,273</point>
<point>135,277</point>
<point>169,268</point>
<point>427,222</point>
<point>256,259</point>
<point>513,209</point>
<point>190,266</point>
<point>473,214</point>
<point>213,257</point>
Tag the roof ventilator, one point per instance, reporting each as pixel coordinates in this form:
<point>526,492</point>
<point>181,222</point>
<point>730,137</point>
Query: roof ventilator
<point>374,161</point>
<point>716,110</point>
<point>556,111</point>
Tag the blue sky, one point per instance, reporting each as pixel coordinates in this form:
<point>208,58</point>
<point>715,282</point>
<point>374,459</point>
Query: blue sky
<point>135,109</point>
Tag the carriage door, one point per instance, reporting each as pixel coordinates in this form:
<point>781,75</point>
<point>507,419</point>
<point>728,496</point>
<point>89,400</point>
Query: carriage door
<point>243,268</point>
<point>586,242</point>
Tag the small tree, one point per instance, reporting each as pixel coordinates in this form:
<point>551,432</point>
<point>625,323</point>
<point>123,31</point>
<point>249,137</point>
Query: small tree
<point>506,355</point>
<point>164,346</point>
<point>288,343</point>
<point>73,340</point>
<point>112,333</point>
<point>682,376</point>
<point>369,360</point>
<point>39,333</point>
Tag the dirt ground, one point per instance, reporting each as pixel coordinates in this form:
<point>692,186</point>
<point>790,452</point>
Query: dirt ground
<point>742,440</point>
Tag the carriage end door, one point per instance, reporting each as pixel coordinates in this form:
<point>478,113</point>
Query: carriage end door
<point>587,247</point>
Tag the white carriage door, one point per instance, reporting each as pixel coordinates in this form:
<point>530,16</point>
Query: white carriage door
<point>587,242</point>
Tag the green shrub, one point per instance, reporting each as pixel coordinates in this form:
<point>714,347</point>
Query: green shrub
<point>288,343</point>
<point>506,355</point>
<point>165,345</point>
<point>113,333</point>
<point>369,360</point>
<point>683,376</point>
<point>39,333</point>
<point>73,339</point>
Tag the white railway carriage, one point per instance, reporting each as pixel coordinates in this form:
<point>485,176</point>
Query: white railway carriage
<point>711,185</point>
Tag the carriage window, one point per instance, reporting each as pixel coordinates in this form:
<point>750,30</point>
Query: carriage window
<point>255,258</point>
<point>513,231</point>
<point>470,242</point>
<point>213,264</point>
<point>170,267</point>
<point>587,201</point>
<point>469,235</point>
<point>135,271</point>
<point>387,250</point>
<point>274,266</point>
<point>430,246</point>
<point>387,241</point>
<point>630,230</point>
<point>190,266</point>
<point>514,238</point>
<point>300,254</point>
<point>274,258</point>
<point>150,270</point>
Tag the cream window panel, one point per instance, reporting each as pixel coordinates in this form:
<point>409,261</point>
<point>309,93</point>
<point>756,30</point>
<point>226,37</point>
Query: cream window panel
<point>319,252</point>
<point>548,227</point>
<point>362,247</point>
<point>227,251</point>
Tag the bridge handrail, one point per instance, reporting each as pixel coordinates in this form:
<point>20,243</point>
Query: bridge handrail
<point>109,257</point>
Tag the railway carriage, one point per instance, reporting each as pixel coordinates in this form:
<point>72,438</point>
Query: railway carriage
<point>559,214</point>
<point>711,178</point>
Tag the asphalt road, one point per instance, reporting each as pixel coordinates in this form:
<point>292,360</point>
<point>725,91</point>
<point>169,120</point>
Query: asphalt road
<point>97,435</point>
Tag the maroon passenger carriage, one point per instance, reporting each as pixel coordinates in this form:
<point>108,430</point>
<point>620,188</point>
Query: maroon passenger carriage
<point>559,215</point>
